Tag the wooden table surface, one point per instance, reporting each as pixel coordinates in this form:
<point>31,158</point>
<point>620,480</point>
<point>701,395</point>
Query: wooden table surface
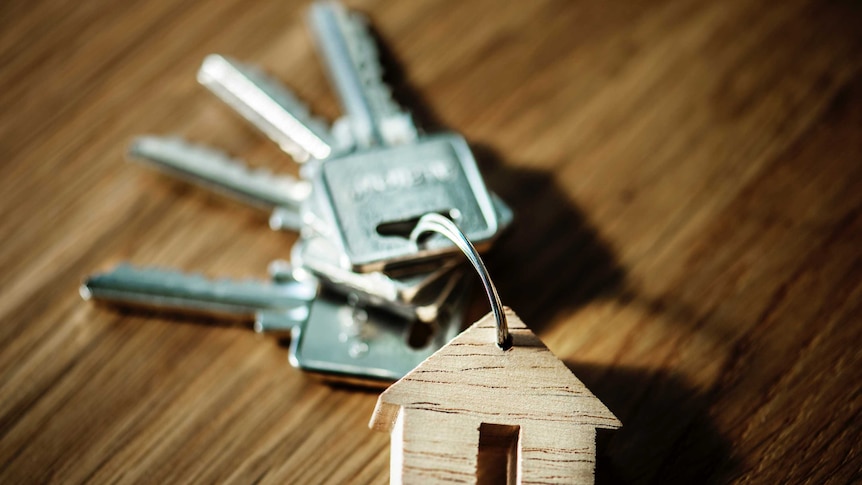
<point>687,179</point>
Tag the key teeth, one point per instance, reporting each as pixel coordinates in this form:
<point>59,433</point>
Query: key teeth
<point>273,88</point>
<point>125,269</point>
<point>366,59</point>
<point>150,147</point>
<point>162,274</point>
<point>283,95</point>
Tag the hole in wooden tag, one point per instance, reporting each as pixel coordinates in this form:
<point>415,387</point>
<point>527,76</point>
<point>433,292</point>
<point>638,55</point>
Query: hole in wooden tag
<point>498,454</point>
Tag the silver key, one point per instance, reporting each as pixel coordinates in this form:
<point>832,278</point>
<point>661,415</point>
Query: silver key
<point>286,196</point>
<point>215,170</point>
<point>328,335</point>
<point>365,202</point>
<point>269,106</point>
<point>343,341</point>
<point>275,308</point>
<point>370,200</point>
<point>408,295</point>
<point>350,54</point>
<point>316,226</point>
<point>315,255</point>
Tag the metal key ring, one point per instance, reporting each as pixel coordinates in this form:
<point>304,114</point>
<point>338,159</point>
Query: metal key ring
<point>436,223</point>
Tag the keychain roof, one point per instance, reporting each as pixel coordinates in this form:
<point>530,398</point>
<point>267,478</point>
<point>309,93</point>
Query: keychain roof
<point>493,403</point>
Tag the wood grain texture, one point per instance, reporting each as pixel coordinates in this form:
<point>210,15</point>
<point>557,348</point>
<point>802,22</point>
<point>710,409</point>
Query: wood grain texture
<point>688,189</point>
<point>435,414</point>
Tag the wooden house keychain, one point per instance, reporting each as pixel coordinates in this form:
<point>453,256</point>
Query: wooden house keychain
<point>492,406</point>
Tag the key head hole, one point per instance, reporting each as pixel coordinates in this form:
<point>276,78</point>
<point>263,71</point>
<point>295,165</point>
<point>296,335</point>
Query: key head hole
<point>403,227</point>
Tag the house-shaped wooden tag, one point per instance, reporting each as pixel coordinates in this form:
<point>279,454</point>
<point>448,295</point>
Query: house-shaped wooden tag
<point>473,411</point>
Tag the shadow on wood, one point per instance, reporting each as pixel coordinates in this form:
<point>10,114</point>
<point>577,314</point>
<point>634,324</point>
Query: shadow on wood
<point>667,435</point>
<point>404,93</point>
<point>551,259</point>
<point>551,256</point>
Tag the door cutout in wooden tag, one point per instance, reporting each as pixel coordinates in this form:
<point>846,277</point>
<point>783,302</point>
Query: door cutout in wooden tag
<point>497,461</point>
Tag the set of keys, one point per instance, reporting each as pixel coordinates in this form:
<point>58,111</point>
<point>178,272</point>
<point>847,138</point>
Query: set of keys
<point>363,298</point>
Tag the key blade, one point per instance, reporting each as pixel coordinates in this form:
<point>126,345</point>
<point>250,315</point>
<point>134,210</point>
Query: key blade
<point>267,105</point>
<point>352,60</point>
<point>215,170</point>
<point>160,289</point>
